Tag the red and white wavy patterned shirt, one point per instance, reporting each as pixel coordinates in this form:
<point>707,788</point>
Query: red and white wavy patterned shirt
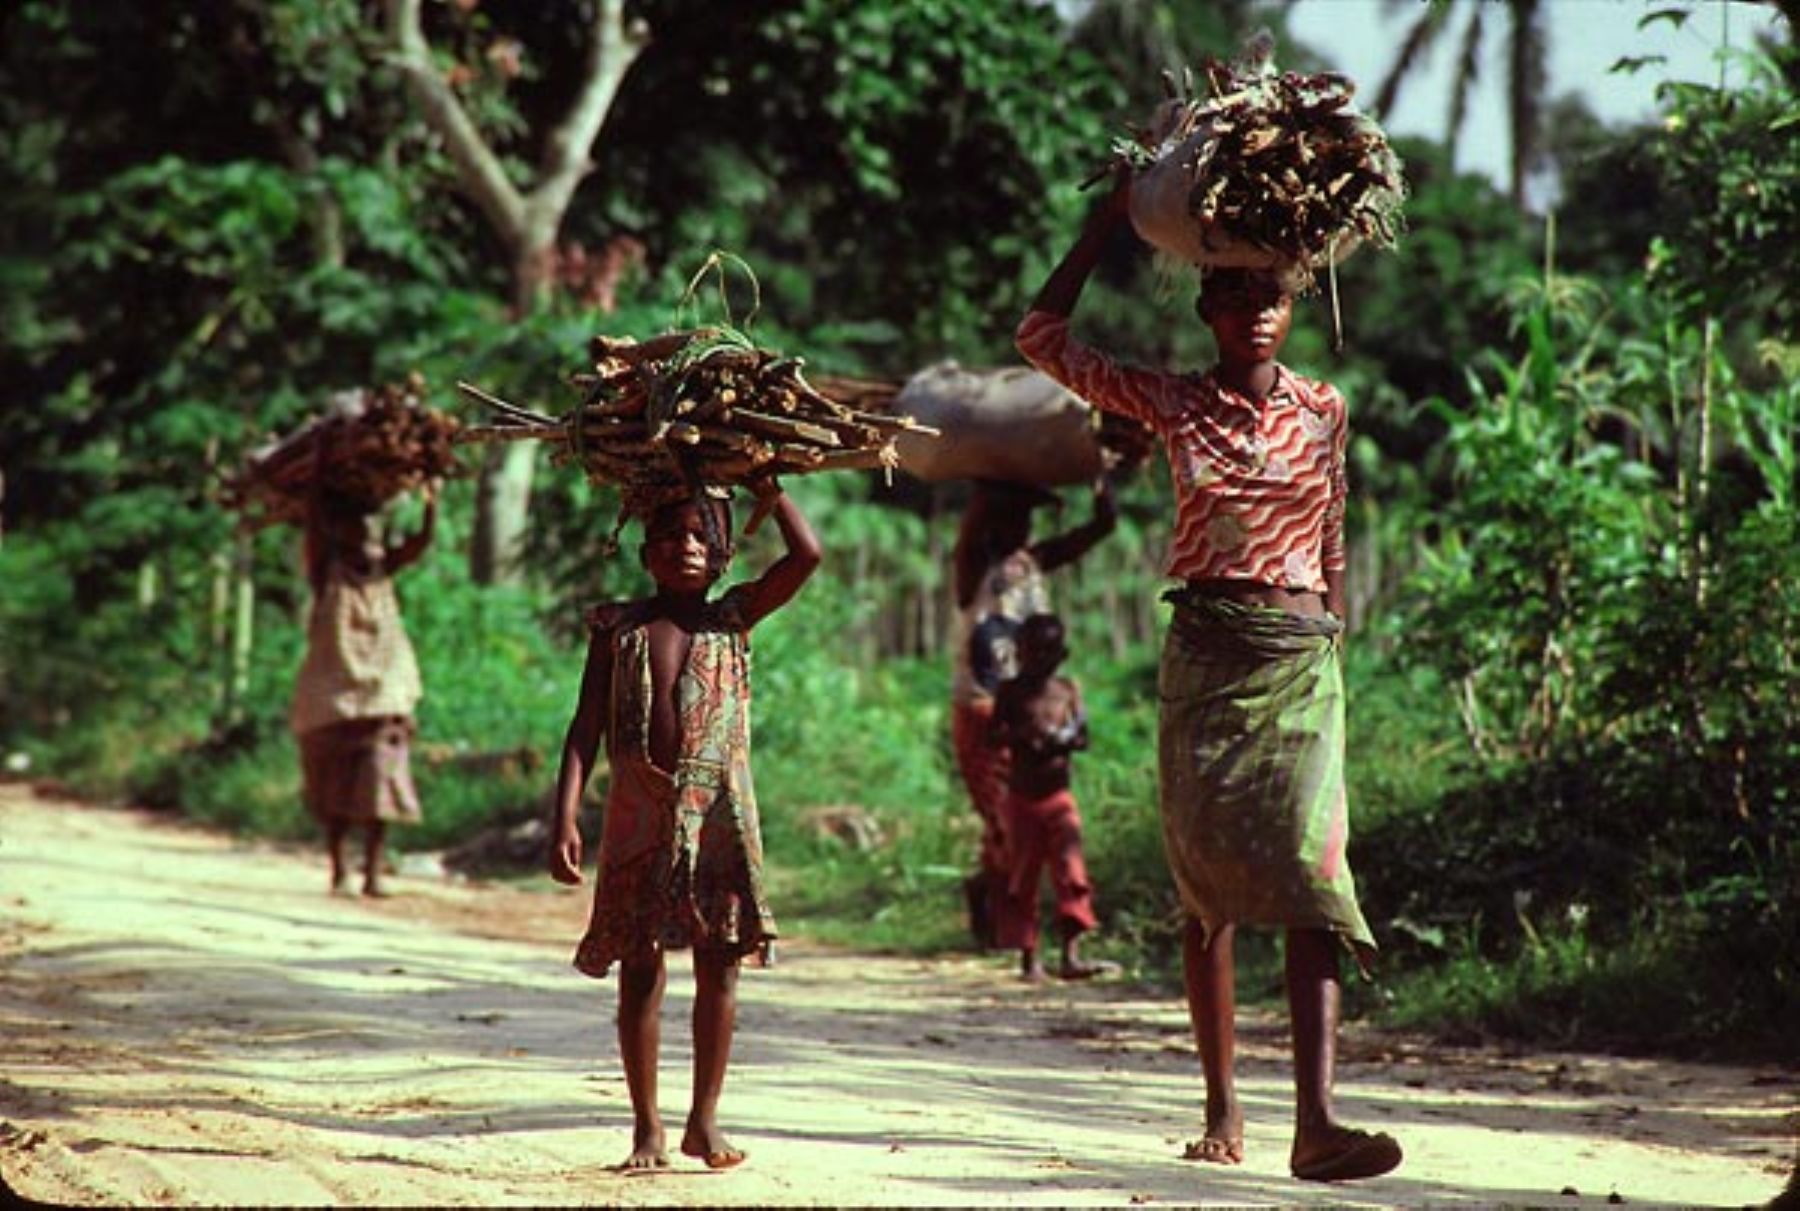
<point>1259,483</point>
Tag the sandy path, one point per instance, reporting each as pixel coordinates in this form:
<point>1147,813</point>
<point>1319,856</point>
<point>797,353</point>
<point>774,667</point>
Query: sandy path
<point>187,1019</point>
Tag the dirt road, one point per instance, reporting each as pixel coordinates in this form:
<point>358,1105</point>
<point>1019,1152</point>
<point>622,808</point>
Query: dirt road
<point>188,1019</point>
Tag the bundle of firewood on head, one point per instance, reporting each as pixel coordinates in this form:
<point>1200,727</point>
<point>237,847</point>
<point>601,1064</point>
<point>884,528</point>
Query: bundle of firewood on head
<point>1271,170</point>
<point>369,447</point>
<point>694,410</point>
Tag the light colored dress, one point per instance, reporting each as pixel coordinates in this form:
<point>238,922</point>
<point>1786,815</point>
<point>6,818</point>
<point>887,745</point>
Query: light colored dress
<point>353,702</point>
<point>359,663</point>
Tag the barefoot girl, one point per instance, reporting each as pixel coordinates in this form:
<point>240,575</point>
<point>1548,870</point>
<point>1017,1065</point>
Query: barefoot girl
<point>359,682</point>
<point>668,685</point>
<point>1039,719</point>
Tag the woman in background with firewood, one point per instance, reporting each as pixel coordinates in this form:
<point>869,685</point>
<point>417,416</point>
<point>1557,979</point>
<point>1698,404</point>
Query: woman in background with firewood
<point>1251,730</point>
<point>667,687</point>
<point>359,683</point>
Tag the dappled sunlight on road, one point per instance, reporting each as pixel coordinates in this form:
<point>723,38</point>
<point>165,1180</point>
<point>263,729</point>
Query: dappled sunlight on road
<point>191,1019</point>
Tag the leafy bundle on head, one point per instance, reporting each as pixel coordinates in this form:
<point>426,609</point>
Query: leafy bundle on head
<point>369,446</point>
<point>1267,170</point>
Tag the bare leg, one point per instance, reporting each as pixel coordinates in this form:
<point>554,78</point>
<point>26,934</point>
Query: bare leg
<point>1030,968</point>
<point>1322,1148</point>
<point>1209,965</point>
<point>715,1019</point>
<point>335,830</point>
<point>1313,997</point>
<point>641,984</point>
<point>373,837</point>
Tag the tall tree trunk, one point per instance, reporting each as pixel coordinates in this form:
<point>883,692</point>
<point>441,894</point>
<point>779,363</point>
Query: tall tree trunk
<point>502,510</point>
<point>1703,461</point>
<point>526,221</point>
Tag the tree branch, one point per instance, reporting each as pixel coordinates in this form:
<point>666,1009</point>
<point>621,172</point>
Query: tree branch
<point>611,49</point>
<point>481,172</point>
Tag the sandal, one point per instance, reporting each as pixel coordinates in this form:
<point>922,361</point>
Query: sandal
<point>1359,1154</point>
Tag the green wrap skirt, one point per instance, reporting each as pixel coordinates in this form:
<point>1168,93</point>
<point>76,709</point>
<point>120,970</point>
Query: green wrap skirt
<point>1251,755</point>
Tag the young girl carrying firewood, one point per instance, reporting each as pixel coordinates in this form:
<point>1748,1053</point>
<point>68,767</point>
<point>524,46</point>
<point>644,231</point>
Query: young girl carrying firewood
<point>359,682</point>
<point>667,686</point>
<point>1251,732</point>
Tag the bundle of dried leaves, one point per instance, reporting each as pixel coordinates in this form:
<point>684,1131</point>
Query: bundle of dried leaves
<point>1275,168</point>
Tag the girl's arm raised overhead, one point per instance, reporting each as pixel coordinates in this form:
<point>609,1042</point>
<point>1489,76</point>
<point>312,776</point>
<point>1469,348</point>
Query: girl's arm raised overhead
<point>1045,341</point>
<point>1063,288</point>
<point>775,587</point>
<point>1066,548</point>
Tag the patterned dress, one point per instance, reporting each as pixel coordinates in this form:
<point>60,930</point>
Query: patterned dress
<point>1259,484</point>
<point>680,850</point>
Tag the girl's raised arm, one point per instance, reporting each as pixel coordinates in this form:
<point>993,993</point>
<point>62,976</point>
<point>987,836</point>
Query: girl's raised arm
<point>777,586</point>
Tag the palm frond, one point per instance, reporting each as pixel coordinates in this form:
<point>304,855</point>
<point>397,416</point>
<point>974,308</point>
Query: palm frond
<point>1468,74</point>
<point>1419,39</point>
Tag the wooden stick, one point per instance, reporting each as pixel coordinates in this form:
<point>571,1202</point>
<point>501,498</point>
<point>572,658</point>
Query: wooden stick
<point>780,426</point>
<point>500,405</point>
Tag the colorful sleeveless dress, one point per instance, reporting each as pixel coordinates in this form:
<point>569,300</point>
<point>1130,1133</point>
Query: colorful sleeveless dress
<point>680,850</point>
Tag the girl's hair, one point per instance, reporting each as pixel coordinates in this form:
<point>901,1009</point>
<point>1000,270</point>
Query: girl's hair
<point>1236,278</point>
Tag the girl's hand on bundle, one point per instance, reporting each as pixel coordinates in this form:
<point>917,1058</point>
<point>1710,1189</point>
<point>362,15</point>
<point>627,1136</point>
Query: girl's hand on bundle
<point>767,490</point>
<point>1118,202</point>
<point>1106,501</point>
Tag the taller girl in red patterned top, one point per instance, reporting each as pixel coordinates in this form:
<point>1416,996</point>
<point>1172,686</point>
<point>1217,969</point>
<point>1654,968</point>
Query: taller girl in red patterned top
<point>1251,732</point>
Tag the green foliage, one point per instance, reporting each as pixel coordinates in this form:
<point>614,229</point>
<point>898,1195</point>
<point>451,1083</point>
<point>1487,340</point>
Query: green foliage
<point>1733,217</point>
<point>836,143</point>
<point>1597,553</point>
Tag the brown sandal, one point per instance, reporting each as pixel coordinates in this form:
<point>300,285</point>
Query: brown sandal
<point>1360,1154</point>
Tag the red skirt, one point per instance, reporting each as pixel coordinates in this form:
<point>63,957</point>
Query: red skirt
<point>360,771</point>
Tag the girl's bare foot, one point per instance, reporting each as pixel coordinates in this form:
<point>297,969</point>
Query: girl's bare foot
<point>705,1142</point>
<point>1223,1143</point>
<point>649,1149</point>
<point>1214,1151</point>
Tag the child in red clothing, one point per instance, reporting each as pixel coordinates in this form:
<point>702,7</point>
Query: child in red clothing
<point>1039,717</point>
